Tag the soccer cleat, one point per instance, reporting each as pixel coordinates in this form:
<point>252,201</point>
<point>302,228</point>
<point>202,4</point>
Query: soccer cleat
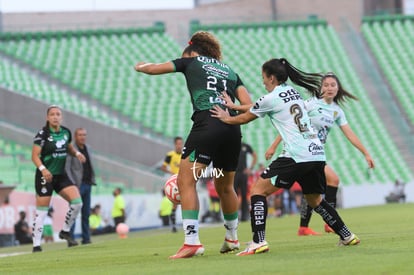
<point>307,231</point>
<point>66,236</point>
<point>229,246</point>
<point>36,249</point>
<point>188,251</point>
<point>351,240</point>
<point>255,248</point>
<point>328,229</point>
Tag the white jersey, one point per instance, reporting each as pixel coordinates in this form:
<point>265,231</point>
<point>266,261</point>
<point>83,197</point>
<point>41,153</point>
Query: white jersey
<point>286,110</point>
<point>324,115</point>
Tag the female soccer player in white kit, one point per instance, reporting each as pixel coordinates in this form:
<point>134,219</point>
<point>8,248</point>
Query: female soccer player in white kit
<point>324,113</point>
<point>302,158</point>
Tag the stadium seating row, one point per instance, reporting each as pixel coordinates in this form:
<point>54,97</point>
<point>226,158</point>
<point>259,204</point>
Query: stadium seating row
<point>391,39</point>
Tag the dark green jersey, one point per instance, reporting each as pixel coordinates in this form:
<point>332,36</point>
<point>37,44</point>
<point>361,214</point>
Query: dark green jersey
<point>206,78</point>
<point>54,148</point>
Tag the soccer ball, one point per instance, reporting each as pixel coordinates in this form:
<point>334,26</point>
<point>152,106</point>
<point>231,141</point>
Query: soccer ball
<point>122,229</point>
<point>171,190</point>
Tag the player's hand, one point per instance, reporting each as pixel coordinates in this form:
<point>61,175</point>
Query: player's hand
<point>227,100</point>
<point>219,113</point>
<point>269,153</point>
<point>47,175</point>
<point>138,66</point>
<point>370,162</point>
<point>80,157</point>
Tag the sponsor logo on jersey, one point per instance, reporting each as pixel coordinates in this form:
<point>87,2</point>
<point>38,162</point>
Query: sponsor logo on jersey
<point>59,155</point>
<point>215,71</point>
<point>205,59</point>
<point>290,95</point>
<point>216,100</point>
<point>316,149</point>
<point>60,143</point>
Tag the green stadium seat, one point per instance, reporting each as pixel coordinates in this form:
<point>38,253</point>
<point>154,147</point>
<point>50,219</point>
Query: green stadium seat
<point>391,40</point>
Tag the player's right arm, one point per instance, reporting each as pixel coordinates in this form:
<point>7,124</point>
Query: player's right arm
<point>155,68</point>
<point>36,150</point>
<point>166,163</point>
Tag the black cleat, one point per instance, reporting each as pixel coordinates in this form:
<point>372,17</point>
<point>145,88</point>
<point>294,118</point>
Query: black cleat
<point>66,236</point>
<point>86,242</point>
<point>37,249</point>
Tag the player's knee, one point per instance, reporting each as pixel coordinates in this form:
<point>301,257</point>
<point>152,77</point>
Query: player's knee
<point>333,180</point>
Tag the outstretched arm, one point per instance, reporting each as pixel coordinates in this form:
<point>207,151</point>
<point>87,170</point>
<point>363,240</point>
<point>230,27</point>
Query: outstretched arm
<point>155,68</point>
<point>352,137</point>
<point>224,116</point>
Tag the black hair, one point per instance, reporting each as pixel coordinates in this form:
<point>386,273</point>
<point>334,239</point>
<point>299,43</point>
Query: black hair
<point>342,94</point>
<point>282,70</point>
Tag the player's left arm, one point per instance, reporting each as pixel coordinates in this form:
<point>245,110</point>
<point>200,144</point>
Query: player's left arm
<point>155,68</point>
<point>73,152</point>
<point>352,137</point>
<point>224,116</point>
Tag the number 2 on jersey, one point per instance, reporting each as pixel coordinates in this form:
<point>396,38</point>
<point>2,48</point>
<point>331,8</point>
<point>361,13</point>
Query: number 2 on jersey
<point>297,113</point>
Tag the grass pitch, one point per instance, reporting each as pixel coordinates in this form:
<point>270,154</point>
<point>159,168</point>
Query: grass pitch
<point>386,233</point>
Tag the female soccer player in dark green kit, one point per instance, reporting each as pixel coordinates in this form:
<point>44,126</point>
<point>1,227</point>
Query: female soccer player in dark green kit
<point>51,146</point>
<point>209,140</point>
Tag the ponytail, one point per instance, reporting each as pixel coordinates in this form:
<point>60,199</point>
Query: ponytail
<point>282,70</point>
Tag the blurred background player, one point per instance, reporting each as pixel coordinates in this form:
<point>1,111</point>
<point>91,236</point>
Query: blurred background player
<point>241,178</point>
<point>48,226</point>
<point>165,212</point>
<point>118,207</point>
<point>213,211</point>
<point>22,231</point>
<point>97,225</point>
<point>397,194</point>
<point>171,165</point>
<point>172,159</point>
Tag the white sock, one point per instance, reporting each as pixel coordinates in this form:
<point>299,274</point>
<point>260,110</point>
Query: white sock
<point>191,231</point>
<point>231,229</point>
<point>37,229</point>
<point>71,215</point>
